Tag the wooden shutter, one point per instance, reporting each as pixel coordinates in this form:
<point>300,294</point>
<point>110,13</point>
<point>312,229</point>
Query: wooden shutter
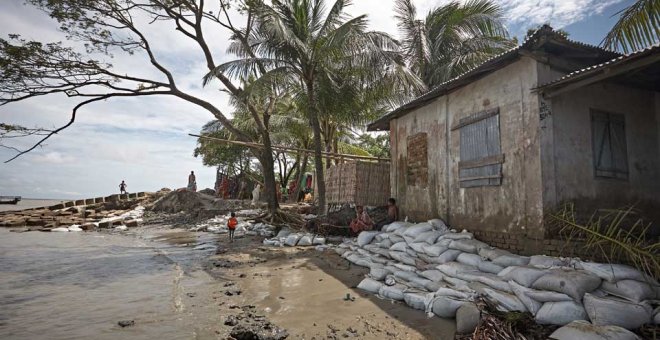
<point>610,153</point>
<point>480,150</point>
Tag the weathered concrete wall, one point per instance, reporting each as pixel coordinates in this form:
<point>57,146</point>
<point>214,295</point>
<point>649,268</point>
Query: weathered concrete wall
<point>574,178</point>
<point>513,207</point>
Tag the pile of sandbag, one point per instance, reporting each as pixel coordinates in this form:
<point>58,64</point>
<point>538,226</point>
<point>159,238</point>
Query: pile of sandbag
<point>218,225</point>
<point>290,239</point>
<point>438,270</point>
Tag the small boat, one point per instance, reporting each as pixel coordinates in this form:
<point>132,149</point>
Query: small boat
<point>9,199</point>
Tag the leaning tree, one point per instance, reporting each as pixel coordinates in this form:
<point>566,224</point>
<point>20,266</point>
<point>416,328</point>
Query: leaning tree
<point>101,28</point>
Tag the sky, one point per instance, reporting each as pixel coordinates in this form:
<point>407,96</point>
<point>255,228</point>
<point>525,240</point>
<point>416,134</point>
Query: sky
<point>145,141</point>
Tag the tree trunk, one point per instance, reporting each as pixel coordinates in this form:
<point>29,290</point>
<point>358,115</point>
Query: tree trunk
<point>318,157</point>
<point>268,165</point>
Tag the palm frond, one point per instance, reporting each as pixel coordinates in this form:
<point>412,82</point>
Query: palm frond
<point>638,27</point>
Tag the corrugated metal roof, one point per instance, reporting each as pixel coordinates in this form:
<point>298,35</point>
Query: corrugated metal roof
<point>486,66</point>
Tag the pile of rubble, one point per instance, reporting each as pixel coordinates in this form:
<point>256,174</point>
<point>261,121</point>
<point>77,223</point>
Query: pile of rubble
<point>443,272</point>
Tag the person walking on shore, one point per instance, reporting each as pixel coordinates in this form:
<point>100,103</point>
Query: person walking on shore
<point>192,182</point>
<point>231,225</point>
<point>122,187</point>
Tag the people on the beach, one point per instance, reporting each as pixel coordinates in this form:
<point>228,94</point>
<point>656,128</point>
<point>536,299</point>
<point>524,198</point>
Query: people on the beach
<point>231,225</point>
<point>362,221</point>
<point>392,214</point>
<point>122,187</point>
<point>192,182</point>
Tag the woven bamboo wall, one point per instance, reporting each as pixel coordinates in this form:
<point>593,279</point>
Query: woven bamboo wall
<point>361,183</point>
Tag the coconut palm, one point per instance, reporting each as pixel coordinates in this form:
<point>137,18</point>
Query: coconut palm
<point>638,27</point>
<point>452,38</point>
<point>316,54</point>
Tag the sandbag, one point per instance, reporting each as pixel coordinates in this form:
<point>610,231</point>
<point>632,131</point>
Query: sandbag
<point>433,250</point>
<point>396,238</point>
<point>366,237</point>
<point>284,232</point>
<point>417,247</point>
<point>370,285</point>
<point>491,253</point>
<point>385,244</point>
<point>438,224</point>
<point>632,290</point>
<point>443,243</point>
<point>411,252</point>
<point>433,275</point>
<point>433,286</point>
<point>457,283</point>
<point>511,260</point>
<point>584,330</point>
<point>560,313</point>
<point>505,302</point>
<point>382,236</point>
<point>543,261</point>
<point>467,245</point>
<point>392,292</point>
<point>417,229</point>
<point>457,236</point>
<point>524,275</point>
<point>305,241</point>
<point>379,273</point>
<point>405,275</point>
<point>341,251</point>
<point>617,312</point>
<point>614,272</point>
<point>489,267</point>
<point>419,282</point>
<point>399,246</point>
<point>547,296</point>
<point>428,259</point>
<point>467,318</point>
<point>469,259</point>
<point>452,268</point>
<point>519,291</point>
<point>402,257</point>
<point>494,281</point>
<point>404,267</point>
<point>417,301</point>
<point>445,306</point>
<point>460,295</point>
<point>428,237</point>
<point>292,240</point>
<point>318,240</point>
<point>574,283</point>
<point>394,226</point>
<point>379,259</point>
<point>381,252</point>
<point>448,256</point>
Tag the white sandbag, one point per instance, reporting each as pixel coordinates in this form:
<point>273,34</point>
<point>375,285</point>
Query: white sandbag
<point>433,286</point>
<point>385,244</point>
<point>438,224</point>
<point>445,306</point>
<point>392,292</point>
<point>448,256</point>
<point>382,236</point>
<point>65,229</point>
<point>396,238</point>
<point>584,330</point>
<point>371,247</point>
<point>370,285</point>
<point>505,302</point>
<point>405,275</point>
<point>402,257</point>
<point>574,283</point>
<point>457,236</point>
<point>452,268</point>
<point>417,229</point>
<point>519,291</point>
<point>399,246</point>
<point>366,237</point>
<point>433,275</point>
<point>381,252</point>
<point>428,259</point>
<point>443,243</point>
<point>394,226</point>
<point>411,252</point>
<point>547,296</point>
<point>491,253</point>
<point>467,245</point>
<point>457,283</point>
<point>360,251</point>
<point>457,294</point>
<point>292,240</point>
<point>469,275</point>
<point>284,232</point>
<point>489,267</point>
<point>614,272</point>
<point>560,313</point>
<point>632,290</point>
<point>467,318</point>
<point>341,251</point>
<point>542,261</point>
<point>494,281</point>
<point>524,275</point>
<point>433,250</point>
<point>469,259</point>
<point>511,260</point>
<point>418,301</point>
<point>418,282</point>
<point>617,312</point>
<point>354,258</point>
<point>305,240</point>
<point>379,259</point>
<point>364,262</point>
<point>428,237</point>
<point>418,247</point>
<point>319,240</point>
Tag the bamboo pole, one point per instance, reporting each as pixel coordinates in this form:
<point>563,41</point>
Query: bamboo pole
<point>329,155</point>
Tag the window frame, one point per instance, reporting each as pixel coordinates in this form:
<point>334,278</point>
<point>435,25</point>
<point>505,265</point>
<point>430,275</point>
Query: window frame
<point>612,119</point>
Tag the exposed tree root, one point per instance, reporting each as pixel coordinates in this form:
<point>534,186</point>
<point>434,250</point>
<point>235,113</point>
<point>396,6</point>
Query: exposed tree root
<point>281,218</point>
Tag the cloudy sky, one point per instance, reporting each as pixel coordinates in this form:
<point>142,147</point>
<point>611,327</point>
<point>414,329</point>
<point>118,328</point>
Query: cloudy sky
<point>145,142</point>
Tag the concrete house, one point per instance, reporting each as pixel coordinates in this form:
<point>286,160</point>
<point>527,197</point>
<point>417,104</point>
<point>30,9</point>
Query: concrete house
<point>551,121</point>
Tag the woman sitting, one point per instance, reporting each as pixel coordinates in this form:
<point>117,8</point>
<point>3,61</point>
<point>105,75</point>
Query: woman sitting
<point>362,221</point>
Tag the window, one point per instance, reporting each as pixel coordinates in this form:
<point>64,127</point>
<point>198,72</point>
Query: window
<point>418,170</point>
<point>608,136</point>
<point>481,155</point>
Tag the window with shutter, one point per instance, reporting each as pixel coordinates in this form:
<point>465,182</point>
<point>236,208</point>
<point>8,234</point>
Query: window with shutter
<point>480,150</point>
<point>418,170</point>
<point>608,137</point>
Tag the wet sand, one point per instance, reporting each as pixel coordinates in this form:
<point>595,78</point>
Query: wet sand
<point>29,203</point>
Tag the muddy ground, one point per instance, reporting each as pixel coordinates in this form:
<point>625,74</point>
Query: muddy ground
<point>300,290</point>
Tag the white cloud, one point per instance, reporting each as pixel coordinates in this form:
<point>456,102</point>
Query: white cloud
<point>53,157</point>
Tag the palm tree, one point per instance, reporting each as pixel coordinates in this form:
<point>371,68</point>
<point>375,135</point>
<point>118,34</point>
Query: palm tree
<point>638,27</point>
<point>452,38</point>
<point>315,54</point>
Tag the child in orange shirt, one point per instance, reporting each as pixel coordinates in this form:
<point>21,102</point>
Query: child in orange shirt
<point>231,225</point>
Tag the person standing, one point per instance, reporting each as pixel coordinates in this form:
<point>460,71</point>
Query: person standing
<point>231,225</point>
<point>122,188</point>
<point>192,182</point>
